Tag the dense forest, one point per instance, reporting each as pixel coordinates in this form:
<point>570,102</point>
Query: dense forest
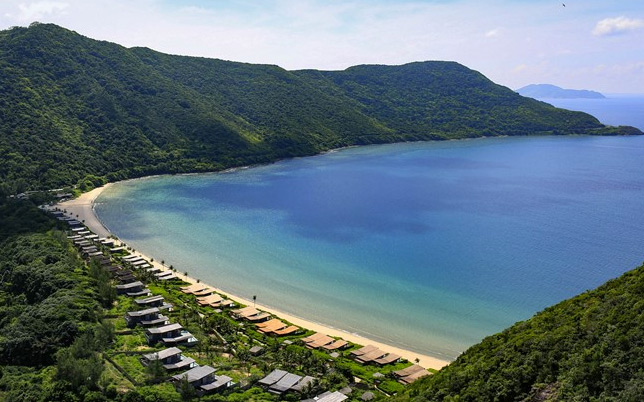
<point>76,111</point>
<point>51,329</point>
<point>588,348</point>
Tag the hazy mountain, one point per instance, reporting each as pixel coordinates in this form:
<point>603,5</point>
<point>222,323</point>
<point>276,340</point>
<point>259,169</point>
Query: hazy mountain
<point>545,91</point>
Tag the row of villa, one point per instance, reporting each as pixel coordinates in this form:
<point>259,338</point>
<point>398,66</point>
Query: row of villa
<point>151,312</point>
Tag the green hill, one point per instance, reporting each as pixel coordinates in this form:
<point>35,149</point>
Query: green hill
<point>588,348</point>
<point>73,107</point>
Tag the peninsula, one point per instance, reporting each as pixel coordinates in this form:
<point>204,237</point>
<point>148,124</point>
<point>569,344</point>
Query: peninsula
<point>547,91</point>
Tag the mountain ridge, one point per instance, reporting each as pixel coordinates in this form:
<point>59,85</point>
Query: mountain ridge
<point>76,109</point>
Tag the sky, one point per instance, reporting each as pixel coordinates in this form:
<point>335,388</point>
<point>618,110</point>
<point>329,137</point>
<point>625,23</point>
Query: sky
<point>579,44</point>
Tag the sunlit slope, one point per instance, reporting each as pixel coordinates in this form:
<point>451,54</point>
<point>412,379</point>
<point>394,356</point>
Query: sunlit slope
<point>72,106</point>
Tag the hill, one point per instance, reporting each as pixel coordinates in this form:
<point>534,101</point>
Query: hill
<point>545,91</point>
<point>588,348</point>
<point>77,110</point>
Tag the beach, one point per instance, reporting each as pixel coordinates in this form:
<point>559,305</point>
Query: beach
<point>82,208</point>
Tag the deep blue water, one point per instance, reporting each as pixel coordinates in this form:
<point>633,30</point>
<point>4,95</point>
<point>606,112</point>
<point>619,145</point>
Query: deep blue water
<point>615,110</point>
<point>429,246</point>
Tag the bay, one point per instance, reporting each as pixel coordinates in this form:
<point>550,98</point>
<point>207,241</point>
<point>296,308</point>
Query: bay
<point>427,246</point>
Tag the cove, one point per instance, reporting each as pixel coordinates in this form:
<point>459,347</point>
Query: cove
<point>427,246</point>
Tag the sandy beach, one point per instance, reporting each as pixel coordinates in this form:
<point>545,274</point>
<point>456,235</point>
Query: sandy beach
<point>83,209</point>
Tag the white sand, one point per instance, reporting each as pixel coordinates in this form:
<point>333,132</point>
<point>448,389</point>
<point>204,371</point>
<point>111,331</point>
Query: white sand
<point>83,207</point>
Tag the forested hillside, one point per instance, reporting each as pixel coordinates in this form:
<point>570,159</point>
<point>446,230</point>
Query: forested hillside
<point>51,332</point>
<point>73,107</point>
<point>588,348</point>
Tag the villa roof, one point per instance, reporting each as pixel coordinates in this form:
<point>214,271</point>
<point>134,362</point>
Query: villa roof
<point>163,354</point>
<point>214,298</point>
<point>302,383</point>
<point>130,285</point>
<point>287,331</point>
<point>313,337</point>
<point>390,358</point>
<point>273,377</point>
<point>332,397</point>
<point>408,370</point>
<point>413,377</point>
<point>150,299</point>
<point>164,329</point>
<point>141,313</point>
<point>337,344</point>
<point>195,374</point>
<point>220,381</point>
<point>363,350</point>
<point>370,356</point>
<point>321,341</point>
<point>285,383</point>
<point>271,325</point>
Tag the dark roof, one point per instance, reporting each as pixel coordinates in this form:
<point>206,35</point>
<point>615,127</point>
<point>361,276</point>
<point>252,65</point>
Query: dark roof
<point>195,374</point>
<point>285,383</point>
<point>220,381</point>
<point>165,353</point>
<point>273,377</point>
<point>303,383</point>
<point>164,329</point>
<point>130,285</point>
<point>143,312</point>
<point>150,299</point>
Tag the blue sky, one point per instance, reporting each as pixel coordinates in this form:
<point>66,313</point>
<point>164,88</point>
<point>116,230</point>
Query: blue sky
<point>590,44</point>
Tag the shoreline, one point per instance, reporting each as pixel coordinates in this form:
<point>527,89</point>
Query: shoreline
<point>83,208</point>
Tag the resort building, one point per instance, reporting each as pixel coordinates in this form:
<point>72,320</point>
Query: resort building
<point>132,289</point>
<point>204,379</point>
<point>251,314</point>
<point>280,381</point>
<point>328,397</point>
<point>154,301</point>
<point>172,334</point>
<point>171,358</point>
<point>319,340</point>
<point>150,317</point>
<point>276,327</point>
<point>371,354</point>
<point>410,374</point>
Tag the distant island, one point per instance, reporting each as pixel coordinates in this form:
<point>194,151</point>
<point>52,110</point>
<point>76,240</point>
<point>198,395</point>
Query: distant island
<point>555,92</point>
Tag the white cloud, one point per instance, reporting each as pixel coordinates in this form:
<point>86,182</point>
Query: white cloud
<point>493,33</point>
<point>520,68</point>
<point>612,26</point>
<point>35,11</point>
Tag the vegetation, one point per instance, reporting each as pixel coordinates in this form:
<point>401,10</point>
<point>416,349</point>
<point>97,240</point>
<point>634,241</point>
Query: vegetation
<point>588,348</point>
<point>77,111</point>
<point>50,320</point>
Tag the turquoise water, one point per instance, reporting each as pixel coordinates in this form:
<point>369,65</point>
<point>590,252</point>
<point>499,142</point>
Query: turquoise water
<point>428,246</point>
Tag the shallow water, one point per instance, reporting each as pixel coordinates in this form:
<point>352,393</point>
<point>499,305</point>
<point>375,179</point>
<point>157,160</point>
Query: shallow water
<point>428,246</point>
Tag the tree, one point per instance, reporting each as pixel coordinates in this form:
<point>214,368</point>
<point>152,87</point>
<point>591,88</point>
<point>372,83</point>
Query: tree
<point>187,391</point>
<point>155,370</point>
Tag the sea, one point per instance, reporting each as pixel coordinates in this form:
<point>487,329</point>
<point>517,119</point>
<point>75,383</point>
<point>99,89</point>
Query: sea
<point>428,246</point>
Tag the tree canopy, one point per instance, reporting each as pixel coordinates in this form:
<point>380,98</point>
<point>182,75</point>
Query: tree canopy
<point>77,111</point>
